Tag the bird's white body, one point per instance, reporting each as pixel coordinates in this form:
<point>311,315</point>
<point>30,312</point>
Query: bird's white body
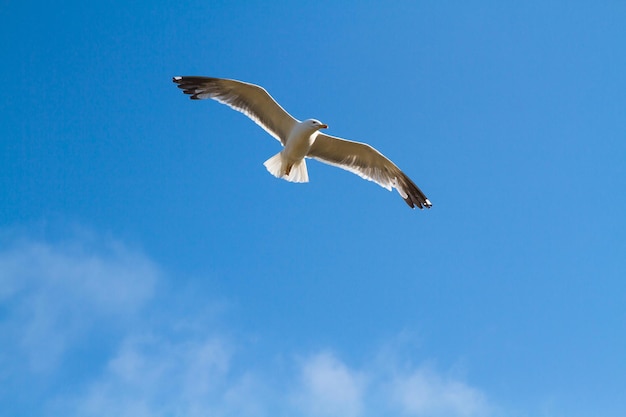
<point>289,164</point>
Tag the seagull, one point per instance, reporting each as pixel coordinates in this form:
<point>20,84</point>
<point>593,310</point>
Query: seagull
<point>302,139</point>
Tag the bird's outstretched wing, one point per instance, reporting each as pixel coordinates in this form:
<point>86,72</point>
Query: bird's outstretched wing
<point>250,99</point>
<point>368,163</point>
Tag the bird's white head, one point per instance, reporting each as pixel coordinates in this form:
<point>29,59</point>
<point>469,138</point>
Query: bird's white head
<point>315,124</point>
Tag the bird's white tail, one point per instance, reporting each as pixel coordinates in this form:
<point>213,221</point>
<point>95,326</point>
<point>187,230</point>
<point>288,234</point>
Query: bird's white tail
<point>277,166</point>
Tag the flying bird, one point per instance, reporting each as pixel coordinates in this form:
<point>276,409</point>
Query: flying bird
<point>302,139</point>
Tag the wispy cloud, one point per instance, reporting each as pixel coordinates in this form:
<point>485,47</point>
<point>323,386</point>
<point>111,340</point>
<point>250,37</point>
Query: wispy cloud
<point>329,388</point>
<point>56,293</point>
<point>66,298</point>
<point>424,392</point>
<point>152,376</point>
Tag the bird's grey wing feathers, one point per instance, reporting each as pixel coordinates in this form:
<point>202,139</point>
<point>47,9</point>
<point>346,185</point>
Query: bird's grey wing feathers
<point>368,163</point>
<point>250,99</point>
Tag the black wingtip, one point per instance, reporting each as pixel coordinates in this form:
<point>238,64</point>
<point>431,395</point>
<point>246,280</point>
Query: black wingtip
<point>414,196</point>
<point>417,203</point>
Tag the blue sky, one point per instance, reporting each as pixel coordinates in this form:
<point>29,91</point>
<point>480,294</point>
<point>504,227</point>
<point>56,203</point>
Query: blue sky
<point>150,266</point>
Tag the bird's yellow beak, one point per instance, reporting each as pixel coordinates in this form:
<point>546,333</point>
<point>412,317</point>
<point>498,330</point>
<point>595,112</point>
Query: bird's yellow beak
<point>324,127</point>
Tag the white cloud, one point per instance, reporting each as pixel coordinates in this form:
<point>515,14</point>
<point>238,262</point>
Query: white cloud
<point>423,392</point>
<point>156,376</point>
<point>153,376</point>
<point>329,388</point>
<point>165,360</point>
<point>57,291</point>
